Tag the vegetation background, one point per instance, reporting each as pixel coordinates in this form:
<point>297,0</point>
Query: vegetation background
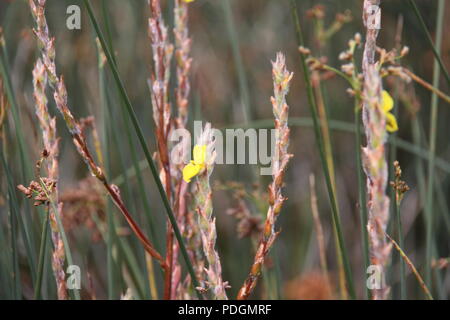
<point>233,44</point>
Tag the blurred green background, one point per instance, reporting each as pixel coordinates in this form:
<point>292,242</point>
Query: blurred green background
<point>233,44</point>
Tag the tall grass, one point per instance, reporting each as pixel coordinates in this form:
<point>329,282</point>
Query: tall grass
<point>159,229</point>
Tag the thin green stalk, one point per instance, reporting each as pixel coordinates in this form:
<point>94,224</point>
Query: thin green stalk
<point>16,283</point>
<point>395,212</point>
<point>42,256</point>
<point>328,150</point>
<point>413,268</point>
<point>319,139</point>
<point>324,119</point>
<point>125,250</point>
<point>141,138</point>
<point>17,217</point>
<point>403,294</point>
<point>438,277</point>
<point>277,273</point>
<point>6,262</point>
<point>128,255</point>
<point>110,240</point>
<point>133,266</point>
<point>107,25</point>
<point>418,135</point>
<point>106,102</point>
<point>429,39</point>
<point>111,235</point>
<point>24,163</point>
<point>242,77</point>
<point>49,284</point>
<point>26,168</point>
<point>442,202</point>
<point>395,207</point>
<point>13,218</point>
<point>420,170</point>
<point>134,157</point>
<point>419,166</point>
<point>432,150</point>
<point>143,196</point>
<point>141,185</point>
<point>419,139</point>
<point>106,145</point>
<point>17,294</point>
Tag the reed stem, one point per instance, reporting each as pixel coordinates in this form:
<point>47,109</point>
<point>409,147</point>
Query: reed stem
<point>319,139</point>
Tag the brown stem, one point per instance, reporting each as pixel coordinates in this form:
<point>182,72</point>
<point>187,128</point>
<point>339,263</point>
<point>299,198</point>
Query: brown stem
<point>427,85</point>
<point>169,262</point>
<point>411,265</point>
<point>120,205</point>
<point>142,238</point>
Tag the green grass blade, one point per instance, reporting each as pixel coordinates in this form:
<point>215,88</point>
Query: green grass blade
<point>26,171</point>
<point>242,77</point>
<point>398,217</point>
<point>419,139</point>
<point>395,207</point>
<point>429,39</point>
<point>125,249</point>
<point>133,266</point>
<point>110,240</point>
<point>110,236</point>
<point>17,292</point>
<point>433,137</point>
<point>13,217</point>
<point>25,234</point>
<point>4,70</point>
<point>126,253</point>
<point>6,261</point>
<point>319,140</point>
<point>42,256</point>
<point>131,147</point>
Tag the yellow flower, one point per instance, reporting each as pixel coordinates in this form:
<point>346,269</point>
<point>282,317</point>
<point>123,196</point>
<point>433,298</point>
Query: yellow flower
<point>190,171</point>
<point>194,167</point>
<point>199,154</point>
<point>387,106</point>
<point>187,1</point>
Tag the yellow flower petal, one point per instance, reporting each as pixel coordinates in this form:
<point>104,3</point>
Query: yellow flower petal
<point>190,171</point>
<point>199,154</point>
<point>187,1</point>
<point>391,122</point>
<point>387,101</point>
